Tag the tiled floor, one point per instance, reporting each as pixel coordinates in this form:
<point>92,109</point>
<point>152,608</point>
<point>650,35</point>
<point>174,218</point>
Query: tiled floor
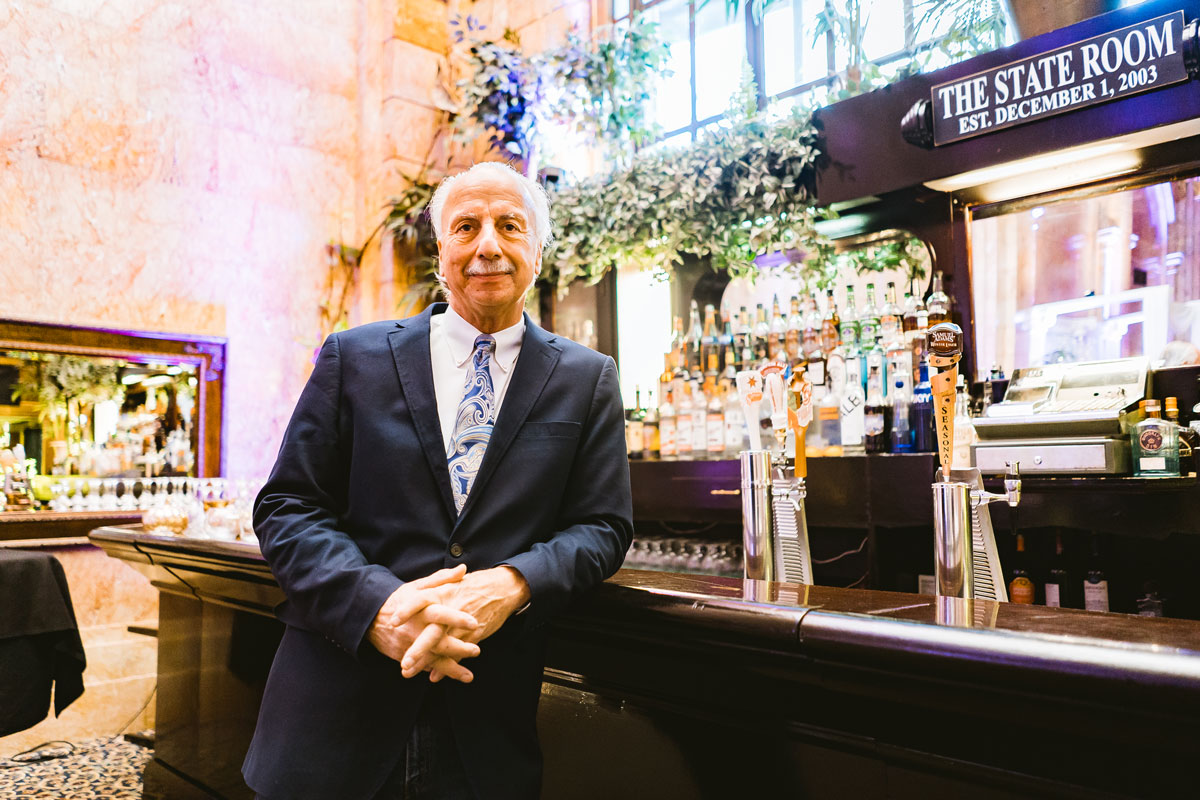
<point>98,769</point>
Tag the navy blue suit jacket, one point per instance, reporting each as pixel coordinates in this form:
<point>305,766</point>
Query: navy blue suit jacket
<point>359,501</point>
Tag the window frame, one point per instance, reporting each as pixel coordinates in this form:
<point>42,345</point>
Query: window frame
<point>756,54</point>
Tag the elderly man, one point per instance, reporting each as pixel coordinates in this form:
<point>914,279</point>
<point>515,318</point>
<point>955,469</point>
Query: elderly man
<point>446,483</point>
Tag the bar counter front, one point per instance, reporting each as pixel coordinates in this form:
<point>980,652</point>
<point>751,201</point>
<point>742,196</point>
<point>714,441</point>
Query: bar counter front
<point>665,685</point>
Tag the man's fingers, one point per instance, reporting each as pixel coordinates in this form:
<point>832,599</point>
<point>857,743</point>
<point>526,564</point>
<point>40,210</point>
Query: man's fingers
<point>442,576</point>
<point>450,669</point>
<point>420,652</point>
<point>450,617</point>
<point>450,647</point>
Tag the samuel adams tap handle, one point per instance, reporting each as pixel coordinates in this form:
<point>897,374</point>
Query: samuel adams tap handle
<point>944,343</point>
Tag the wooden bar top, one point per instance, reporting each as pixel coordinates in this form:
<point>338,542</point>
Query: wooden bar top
<point>923,632</point>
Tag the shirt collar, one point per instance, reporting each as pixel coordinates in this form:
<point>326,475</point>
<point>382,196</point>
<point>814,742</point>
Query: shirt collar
<point>461,336</point>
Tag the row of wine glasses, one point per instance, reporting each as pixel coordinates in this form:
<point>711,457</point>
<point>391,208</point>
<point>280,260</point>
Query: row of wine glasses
<point>684,554</point>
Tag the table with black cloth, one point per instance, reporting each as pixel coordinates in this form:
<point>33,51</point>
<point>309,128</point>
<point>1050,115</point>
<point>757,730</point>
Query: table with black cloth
<point>40,646</point>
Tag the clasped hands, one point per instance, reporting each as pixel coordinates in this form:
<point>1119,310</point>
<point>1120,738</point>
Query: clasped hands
<point>434,622</point>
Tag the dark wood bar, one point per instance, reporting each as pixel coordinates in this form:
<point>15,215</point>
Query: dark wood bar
<point>664,685</point>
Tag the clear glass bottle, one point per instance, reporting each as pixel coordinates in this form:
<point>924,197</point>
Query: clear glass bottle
<point>853,410</point>
<point>938,303</point>
<point>849,323</point>
<point>1155,443</point>
<point>831,324</point>
<point>735,423</point>
<point>741,337</point>
<point>695,333</point>
<point>666,428</point>
<point>683,419</point>
<point>699,421</point>
<point>776,333</point>
<point>795,329</point>
<point>810,339</point>
<point>715,424</point>
<point>868,319</point>
<point>759,334</point>
<point>875,416</point>
<point>890,317</point>
<point>651,440</point>
<point>901,434</point>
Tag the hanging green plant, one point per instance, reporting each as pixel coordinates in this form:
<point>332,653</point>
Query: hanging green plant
<point>745,188</point>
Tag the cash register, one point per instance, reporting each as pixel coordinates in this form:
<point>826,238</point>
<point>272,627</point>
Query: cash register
<point>1063,418</point>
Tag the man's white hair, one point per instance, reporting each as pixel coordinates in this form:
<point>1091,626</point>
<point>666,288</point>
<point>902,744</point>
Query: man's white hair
<point>536,199</point>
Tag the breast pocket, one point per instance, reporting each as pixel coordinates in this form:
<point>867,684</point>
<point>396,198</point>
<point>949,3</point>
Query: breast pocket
<point>550,430</point>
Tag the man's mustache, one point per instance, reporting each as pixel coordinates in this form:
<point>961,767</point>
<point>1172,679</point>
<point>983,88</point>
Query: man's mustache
<point>501,267</point>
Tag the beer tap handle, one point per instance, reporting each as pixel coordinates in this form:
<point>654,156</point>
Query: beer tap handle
<point>944,343</point>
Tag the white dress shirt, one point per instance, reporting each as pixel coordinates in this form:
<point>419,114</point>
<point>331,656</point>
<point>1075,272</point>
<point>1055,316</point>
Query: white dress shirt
<point>451,345</point>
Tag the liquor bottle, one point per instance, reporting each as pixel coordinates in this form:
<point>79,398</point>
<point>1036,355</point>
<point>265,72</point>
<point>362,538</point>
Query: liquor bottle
<point>1155,443</point>
<point>890,317</point>
<point>829,423</point>
<point>876,356</point>
<point>634,428</point>
<point>795,328</point>
<point>683,418</point>
<point>741,337</point>
<point>908,322</point>
<point>1058,579</point>
<point>776,333</point>
<point>1188,435</point>
<point>921,415</point>
<point>810,338</point>
<point>667,378</point>
<point>651,444</point>
<point>678,350</point>
<point>915,335</point>
<point>709,349</point>
<point>699,421</point>
<point>853,410</point>
<point>938,303</point>
<point>901,439</point>
<point>868,319</point>
<point>715,424</point>
<point>666,428</point>
<point>735,423</point>
<point>1020,585</point>
<point>730,371</point>
<point>725,340</point>
<point>760,332</point>
<point>1095,586</point>
<point>849,325</point>
<point>830,324</point>
<point>964,429</point>
<point>875,415</point>
<point>695,333</point>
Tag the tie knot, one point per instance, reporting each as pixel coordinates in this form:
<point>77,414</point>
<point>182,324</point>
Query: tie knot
<point>485,345</point>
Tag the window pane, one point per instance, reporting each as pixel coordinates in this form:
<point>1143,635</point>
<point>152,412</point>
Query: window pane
<point>720,58</point>
<point>620,8</point>
<point>884,32</point>
<point>791,59</point>
<point>673,94</point>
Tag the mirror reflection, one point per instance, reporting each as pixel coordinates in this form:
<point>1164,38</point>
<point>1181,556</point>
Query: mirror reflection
<point>66,414</point>
<point>1090,278</point>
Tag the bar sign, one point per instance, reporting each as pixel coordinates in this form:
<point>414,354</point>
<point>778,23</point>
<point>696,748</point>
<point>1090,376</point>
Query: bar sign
<point>1138,58</point>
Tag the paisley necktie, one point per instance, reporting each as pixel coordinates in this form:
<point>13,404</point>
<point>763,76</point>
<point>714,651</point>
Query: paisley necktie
<point>473,422</point>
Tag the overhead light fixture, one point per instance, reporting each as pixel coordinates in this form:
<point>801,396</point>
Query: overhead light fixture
<point>156,380</point>
<point>132,377</point>
<point>175,370</point>
<point>1024,166</point>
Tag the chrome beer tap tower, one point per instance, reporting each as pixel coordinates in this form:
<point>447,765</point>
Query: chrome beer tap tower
<point>966,563</point>
<point>774,525</point>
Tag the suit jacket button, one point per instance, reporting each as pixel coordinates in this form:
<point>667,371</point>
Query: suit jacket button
<point>456,550</point>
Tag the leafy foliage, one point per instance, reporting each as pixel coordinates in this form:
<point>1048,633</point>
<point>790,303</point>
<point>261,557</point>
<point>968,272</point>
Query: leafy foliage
<point>502,94</point>
<point>604,91</point>
<point>743,189</point>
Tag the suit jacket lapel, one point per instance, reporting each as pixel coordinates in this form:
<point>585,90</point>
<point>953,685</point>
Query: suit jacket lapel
<point>538,356</point>
<point>409,341</point>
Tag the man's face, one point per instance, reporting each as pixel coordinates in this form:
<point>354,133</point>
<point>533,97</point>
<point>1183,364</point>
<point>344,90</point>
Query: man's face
<point>488,252</point>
